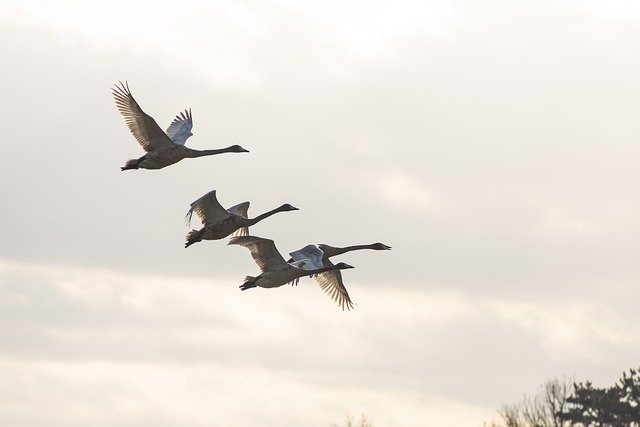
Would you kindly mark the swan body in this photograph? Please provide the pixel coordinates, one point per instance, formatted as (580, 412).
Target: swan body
(220, 222)
(317, 256)
(275, 270)
(163, 148)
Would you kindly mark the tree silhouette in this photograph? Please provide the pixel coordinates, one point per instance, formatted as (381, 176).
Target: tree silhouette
(616, 406)
(364, 421)
(538, 410)
(586, 406)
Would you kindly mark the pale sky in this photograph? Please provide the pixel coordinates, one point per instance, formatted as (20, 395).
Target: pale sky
(494, 145)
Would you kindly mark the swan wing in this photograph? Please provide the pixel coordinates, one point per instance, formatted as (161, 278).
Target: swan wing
(312, 254)
(263, 251)
(208, 210)
(241, 210)
(180, 128)
(302, 264)
(331, 283)
(242, 231)
(143, 127)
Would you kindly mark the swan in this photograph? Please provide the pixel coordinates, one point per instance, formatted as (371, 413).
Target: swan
(317, 256)
(275, 270)
(220, 222)
(163, 148)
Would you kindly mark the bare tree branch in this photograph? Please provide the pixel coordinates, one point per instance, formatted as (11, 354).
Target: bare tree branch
(541, 409)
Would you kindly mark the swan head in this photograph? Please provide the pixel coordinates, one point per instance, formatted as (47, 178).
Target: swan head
(237, 149)
(288, 207)
(343, 266)
(380, 247)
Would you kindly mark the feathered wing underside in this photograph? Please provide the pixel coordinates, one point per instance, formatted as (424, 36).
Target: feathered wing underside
(208, 210)
(331, 282)
(312, 253)
(263, 251)
(143, 127)
(301, 264)
(242, 231)
(241, 210)
(180, 128)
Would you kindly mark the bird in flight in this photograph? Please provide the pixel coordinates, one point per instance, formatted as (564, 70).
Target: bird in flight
(317, 256)
(219, 222)
(275, 270)
(162, 148)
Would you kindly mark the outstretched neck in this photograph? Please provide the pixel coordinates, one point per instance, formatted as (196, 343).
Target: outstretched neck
(338, 251)
(321, 270)
(191, 153)
(252, 221)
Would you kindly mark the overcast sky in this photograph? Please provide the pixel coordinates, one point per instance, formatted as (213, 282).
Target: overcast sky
(494, 145)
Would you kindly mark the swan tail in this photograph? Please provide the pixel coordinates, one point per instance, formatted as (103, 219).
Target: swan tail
(249, 282)
(132, 164)
(194, 236)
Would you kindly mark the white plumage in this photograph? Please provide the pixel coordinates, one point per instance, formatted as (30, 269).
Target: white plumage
(180, 128)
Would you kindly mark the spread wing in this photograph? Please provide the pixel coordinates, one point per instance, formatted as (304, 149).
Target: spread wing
(143, 127)
(208, 209)
(331, 282)
(312, 253)
(302, 264)
(180, 128)
(242, 210)
(263, 251)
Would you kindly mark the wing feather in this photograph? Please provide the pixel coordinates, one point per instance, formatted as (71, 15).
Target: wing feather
(241, 210)
(242, 231)
(263, 251)
(208, 210)
(180, 128)
(143, 127)
(312, 253)
(331, 283)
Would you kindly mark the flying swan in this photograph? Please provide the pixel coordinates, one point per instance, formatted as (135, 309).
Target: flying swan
(275, 270)
(317, 256)
(163, 148)
(220, 222)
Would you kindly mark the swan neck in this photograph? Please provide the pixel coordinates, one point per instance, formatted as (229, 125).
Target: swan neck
(264, 215)
(201, 153)
(322, 270)
(339, 251)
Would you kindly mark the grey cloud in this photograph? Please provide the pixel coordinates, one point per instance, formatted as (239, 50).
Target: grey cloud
(454, 357)
(496, 138)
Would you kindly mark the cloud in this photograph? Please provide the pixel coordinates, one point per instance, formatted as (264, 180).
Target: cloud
(570, 331)
(500, 169)
(402, 192)
(105, 394)
(153, 343)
